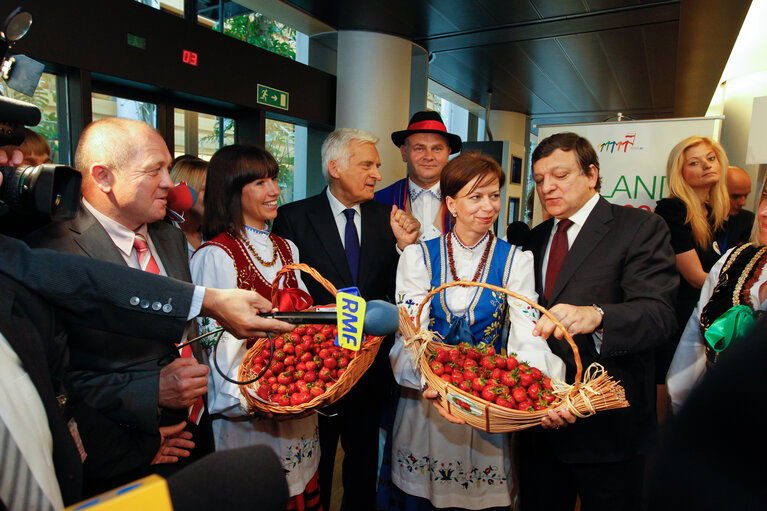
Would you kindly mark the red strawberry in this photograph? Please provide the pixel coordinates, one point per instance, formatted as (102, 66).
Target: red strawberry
(469, 374)
(488, 394)
(442, 356)
(526, 379)
(519, 394)
(537, 374)
(508, 379)
(478, 384)
(438, 368)
(547, 384)
(534, 391)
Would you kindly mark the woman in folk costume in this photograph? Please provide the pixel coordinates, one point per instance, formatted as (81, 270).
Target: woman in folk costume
(435, 463)
(240, 198)
(736, 285)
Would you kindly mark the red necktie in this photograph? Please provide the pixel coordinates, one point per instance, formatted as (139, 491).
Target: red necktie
(557, 254)
(195, 411)
(145, 258)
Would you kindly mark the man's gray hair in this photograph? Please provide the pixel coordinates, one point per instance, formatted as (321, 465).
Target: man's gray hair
(336, 146)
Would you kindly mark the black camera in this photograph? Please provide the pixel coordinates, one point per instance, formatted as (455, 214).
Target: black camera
(50, 192)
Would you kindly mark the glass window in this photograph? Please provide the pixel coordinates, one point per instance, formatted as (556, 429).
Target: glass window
(45, 98)
(281, 142)
(249, 26)
(113, 106)
(200, 134)
(172, 6)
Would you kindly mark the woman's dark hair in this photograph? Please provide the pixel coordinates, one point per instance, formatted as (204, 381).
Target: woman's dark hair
(229, 170)
(467, 166)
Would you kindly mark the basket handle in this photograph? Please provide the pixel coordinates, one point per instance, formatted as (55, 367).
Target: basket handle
(306, 269)
(543, 310)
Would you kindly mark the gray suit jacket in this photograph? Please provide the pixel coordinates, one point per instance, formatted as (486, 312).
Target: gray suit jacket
(98, 360)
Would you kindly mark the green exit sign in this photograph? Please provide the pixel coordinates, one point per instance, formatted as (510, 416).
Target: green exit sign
(272, 97)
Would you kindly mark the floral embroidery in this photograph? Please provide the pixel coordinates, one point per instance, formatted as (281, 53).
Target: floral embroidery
(493, 329)
(451, 472)
(302, 450)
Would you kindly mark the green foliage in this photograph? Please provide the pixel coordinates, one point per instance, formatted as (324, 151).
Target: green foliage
(280, 141)
(258, 30)
(45, 100)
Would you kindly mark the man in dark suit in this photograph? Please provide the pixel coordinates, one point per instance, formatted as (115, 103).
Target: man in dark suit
(324, 228)
(608, 274)
(124, 165)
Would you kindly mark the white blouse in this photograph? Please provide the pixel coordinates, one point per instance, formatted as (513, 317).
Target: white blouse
(296, 442)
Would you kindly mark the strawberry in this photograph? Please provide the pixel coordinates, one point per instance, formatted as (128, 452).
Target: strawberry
(537, 374)
(519, 394)
(508, 379)
(469, 374)
(488, 394)
(442, 356)
(478, 384)
(547, 384)
(438, 368)
(526, 379)
(534, 391)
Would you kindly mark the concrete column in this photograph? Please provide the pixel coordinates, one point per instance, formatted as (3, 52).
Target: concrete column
(373, 91)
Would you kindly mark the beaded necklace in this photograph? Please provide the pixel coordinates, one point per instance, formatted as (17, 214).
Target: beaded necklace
(253, 252)
(481, 262)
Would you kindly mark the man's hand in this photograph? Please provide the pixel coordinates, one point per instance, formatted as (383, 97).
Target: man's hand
(433, 395)
(576, 319)
(558, 418)
(404, 226)
(182, 382)
(16, 159)
(175, 443)
(237, 311)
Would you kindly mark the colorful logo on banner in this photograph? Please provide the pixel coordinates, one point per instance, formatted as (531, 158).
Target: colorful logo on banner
(351, 318)
(613, 146)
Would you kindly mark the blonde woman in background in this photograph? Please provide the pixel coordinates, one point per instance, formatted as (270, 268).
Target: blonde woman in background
(696, 209)
(193, 171)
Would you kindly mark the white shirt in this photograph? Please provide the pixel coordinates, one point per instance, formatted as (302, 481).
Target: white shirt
(24, 416)
(424, 206)
(578, 218)
(340, 217)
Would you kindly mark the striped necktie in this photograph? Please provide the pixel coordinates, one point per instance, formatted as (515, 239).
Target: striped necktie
(145, 257)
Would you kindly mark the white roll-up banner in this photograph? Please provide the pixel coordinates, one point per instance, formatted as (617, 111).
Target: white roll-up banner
(633, 154)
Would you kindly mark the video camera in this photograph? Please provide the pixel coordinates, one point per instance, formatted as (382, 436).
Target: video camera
(47, 191)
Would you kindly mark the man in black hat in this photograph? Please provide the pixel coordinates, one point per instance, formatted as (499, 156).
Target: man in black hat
(425, 146)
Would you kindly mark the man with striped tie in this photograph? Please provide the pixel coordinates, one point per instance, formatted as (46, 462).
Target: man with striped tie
(124, 164)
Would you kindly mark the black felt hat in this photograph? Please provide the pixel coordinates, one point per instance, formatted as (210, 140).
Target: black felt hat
(427, 122)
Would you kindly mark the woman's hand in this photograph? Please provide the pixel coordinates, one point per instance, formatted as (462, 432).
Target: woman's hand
(433, 396)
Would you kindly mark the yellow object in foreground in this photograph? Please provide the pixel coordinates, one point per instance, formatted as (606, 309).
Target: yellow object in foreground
(351, 319)
(148, 493)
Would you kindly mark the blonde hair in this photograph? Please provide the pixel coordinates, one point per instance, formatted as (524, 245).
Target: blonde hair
(33, 143)
(190, 169)
(755, 238)
(718, 198)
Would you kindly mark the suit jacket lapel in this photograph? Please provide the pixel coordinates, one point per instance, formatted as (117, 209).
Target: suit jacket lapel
(321, 218)
(92, 239)
(589, 236)
(162, 236)
(537, 244)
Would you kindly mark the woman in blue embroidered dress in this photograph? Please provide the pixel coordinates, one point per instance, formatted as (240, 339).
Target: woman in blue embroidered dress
(241, 196)
(435, 463)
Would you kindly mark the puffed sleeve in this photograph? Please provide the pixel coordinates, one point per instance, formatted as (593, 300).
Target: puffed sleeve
(413, 284)
(211, 266)
(296, 258)
(689, 363)
(674, 213)
(523, 317)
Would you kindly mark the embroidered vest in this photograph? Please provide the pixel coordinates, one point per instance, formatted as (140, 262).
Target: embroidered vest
(486, 312)
(739, 273)
(248, 275)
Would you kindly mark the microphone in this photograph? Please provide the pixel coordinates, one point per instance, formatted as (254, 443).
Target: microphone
(381, 318)
(181, 198)
(240, 477)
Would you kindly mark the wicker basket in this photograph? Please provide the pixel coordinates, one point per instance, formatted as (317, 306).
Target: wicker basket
(592, 392)
(354, 371)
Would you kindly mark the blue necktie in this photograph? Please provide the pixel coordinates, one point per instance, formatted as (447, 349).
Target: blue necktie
(352, 244)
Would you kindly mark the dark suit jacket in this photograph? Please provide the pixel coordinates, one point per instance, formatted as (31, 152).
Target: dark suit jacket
(86, 292)
(622, 261)
(310, 225)
(128, 396)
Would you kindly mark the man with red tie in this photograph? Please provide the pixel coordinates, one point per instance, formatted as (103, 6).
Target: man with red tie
(608, 274)
(124, 164)
(426, 147)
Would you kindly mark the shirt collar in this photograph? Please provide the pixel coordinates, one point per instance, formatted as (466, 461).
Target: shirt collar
(121, 236)
(580, 216)
(337, 207)
(416, 191)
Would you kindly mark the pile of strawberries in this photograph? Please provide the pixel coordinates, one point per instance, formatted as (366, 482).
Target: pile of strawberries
(502, 380)
(305, 364)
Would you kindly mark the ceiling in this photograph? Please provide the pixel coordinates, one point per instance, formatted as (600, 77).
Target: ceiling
(561, 61)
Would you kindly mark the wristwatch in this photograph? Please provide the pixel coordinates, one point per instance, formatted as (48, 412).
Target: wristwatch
(599, 328)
